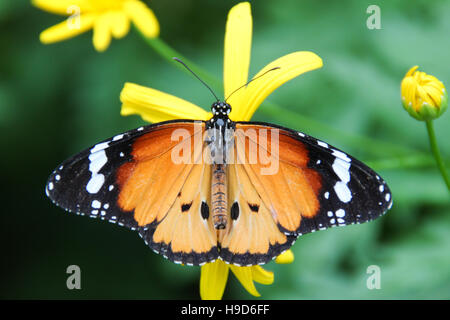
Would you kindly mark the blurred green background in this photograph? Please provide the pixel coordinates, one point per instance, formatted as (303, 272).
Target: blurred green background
(56, 100)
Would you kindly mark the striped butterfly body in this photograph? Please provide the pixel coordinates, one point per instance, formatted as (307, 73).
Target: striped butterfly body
(197, 191)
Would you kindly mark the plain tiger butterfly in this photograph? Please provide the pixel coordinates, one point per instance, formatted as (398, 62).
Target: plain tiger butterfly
(197, 191)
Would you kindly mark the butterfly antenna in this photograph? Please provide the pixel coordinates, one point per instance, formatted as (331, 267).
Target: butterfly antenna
(178, 60)
(251, 81)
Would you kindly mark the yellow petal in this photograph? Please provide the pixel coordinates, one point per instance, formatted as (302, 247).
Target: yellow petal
(245, 277)
(102, 32)
(213, 278)
(411, 71)
(67, 29)
(120, 24)
(434, 94)
(408, 89)
(63, 7)
(291, 65)
(238, 40)
(261, 275)
(156, 106)
(285, 257)
(143, 17)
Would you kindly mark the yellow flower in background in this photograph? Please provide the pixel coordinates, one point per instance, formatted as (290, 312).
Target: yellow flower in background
(155, 106)
(107, 18)
(423, 96)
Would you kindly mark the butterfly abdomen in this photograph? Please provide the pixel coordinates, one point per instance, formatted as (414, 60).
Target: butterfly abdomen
(219, 196)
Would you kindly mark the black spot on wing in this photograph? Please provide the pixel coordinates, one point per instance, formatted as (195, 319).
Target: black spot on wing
(234, 212)
(186, 206)
(253, 207)
(204, 210)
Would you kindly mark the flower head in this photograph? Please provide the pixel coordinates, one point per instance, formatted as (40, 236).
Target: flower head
(154, 106)
(108, 18)
(423, 96)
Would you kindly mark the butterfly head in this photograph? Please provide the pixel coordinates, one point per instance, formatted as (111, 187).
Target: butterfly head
(220, 109)
(220, 119)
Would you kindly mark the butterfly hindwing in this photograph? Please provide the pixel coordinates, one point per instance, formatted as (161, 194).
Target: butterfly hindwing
(252, 235)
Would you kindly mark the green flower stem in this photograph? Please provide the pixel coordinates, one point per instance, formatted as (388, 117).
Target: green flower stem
(436, 152)
(372, 146)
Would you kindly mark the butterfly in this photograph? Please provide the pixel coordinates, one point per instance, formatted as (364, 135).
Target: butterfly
(197, 191)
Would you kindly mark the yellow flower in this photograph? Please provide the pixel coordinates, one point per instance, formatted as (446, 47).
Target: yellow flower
(214, 276)
(155, 106)
(423, 96)
(108, 18)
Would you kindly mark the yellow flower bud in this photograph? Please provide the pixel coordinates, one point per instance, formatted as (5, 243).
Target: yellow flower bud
(423, 96)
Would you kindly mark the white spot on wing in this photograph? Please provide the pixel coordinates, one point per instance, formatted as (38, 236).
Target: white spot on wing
(100, 146)
(322, 144)
(95, 183)
(341, 155)
(97, 160)
(96, 204)
(118, 137)
(342, 170)
(342, 191)
(340, 213)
